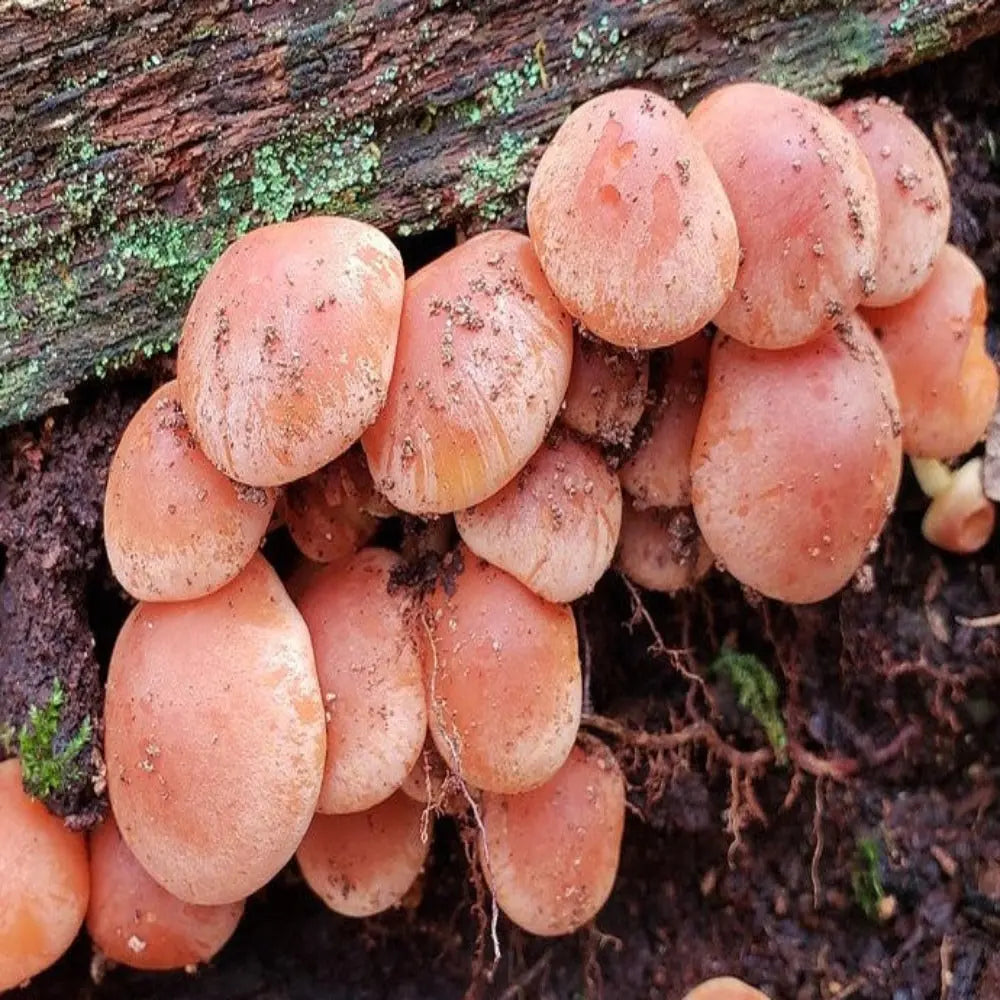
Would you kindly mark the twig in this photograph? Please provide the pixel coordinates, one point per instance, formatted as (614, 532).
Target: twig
(987, 621)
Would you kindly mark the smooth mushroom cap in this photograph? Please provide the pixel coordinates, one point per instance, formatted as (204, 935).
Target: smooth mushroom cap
(724, 988)
(44, 883)
(661, 548)
(607, 390)
(935, 343)
(797, 461)
(555, 526)
(503, 677)
(335, 511)
(630, 223)
(135, 922)
(913, 195)
(551, 855)
(287, 349)
(360, 864)
(806, 206)
(175, 527)
(658, 474)
(368, 658)
(215, 737)
(481, 370)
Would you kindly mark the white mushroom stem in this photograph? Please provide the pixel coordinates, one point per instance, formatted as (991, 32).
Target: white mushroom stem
(960, 517)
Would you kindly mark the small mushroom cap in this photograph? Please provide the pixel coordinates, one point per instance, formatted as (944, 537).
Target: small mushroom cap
(370, 669)
(335, 511)
(135, 922)
(658, 474)
(724, 988)
(175, 527)
(360, 864)
(661, 548)
(44, 883)
(288, 346)
(215, 737)
(806, 207)
(913, 195)
(551, 855)
(961, 518)
(630, 223)
(935, 343)
(504, 680)
(797, 461)
(555, 526)
(481, 370)
(607, 391)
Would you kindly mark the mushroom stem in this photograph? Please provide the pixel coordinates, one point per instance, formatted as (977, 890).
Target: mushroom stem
(933, 475)
(960, 517)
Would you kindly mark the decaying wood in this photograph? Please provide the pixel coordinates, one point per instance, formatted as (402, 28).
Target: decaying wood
(138, 136)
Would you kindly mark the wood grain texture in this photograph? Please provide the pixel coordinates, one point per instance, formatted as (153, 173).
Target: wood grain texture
(137, 137)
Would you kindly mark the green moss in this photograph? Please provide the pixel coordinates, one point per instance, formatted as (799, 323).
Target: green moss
(757, 692)
(489, 180)
(857, 40)
(49, 760)
(866, 876)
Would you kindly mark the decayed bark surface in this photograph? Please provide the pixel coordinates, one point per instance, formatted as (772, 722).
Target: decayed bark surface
(138, 136)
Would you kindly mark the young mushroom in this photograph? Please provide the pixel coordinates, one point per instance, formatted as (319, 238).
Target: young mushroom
(724, 988)
(960, 518)
(797, 461)
(658, 474)
(44, 883)
(288, 346)
(133, 921)
(630, 223)
(175, 527)
(555, 526)
(371, 676)
(914, 200)
(362, 863)
(662, 549)
(503, 677)
(215, 737)
(806, 207)
(935, 343)
(607, 390)
(551, 855)
(335, 511)
(481, 370)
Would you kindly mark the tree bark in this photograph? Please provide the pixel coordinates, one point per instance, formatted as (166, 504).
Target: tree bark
(138, 137)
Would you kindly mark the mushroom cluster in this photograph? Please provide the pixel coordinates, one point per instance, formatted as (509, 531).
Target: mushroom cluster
(713, 347)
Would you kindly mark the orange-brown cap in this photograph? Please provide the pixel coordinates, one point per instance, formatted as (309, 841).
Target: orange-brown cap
(288, 346)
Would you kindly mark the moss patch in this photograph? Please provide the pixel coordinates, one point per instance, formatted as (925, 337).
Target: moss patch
(757, 692)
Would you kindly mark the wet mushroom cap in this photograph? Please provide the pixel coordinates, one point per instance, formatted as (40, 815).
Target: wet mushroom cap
(658, 473)
(914, 200)
(288, 346)
(370, 669)
(797, 461)
(806, 207)
(360, 864)
(607, 391)
(504, 680)
(551, 854)
(135, 922)
(630, 223)
(215, 737)
(724, 988)
(661, 548)
(175, 527)
(555, 526)
(935, 343)
(44, 883)
(481, 370)
(335, 511)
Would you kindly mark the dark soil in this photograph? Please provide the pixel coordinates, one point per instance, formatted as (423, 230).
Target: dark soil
(732, 862)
